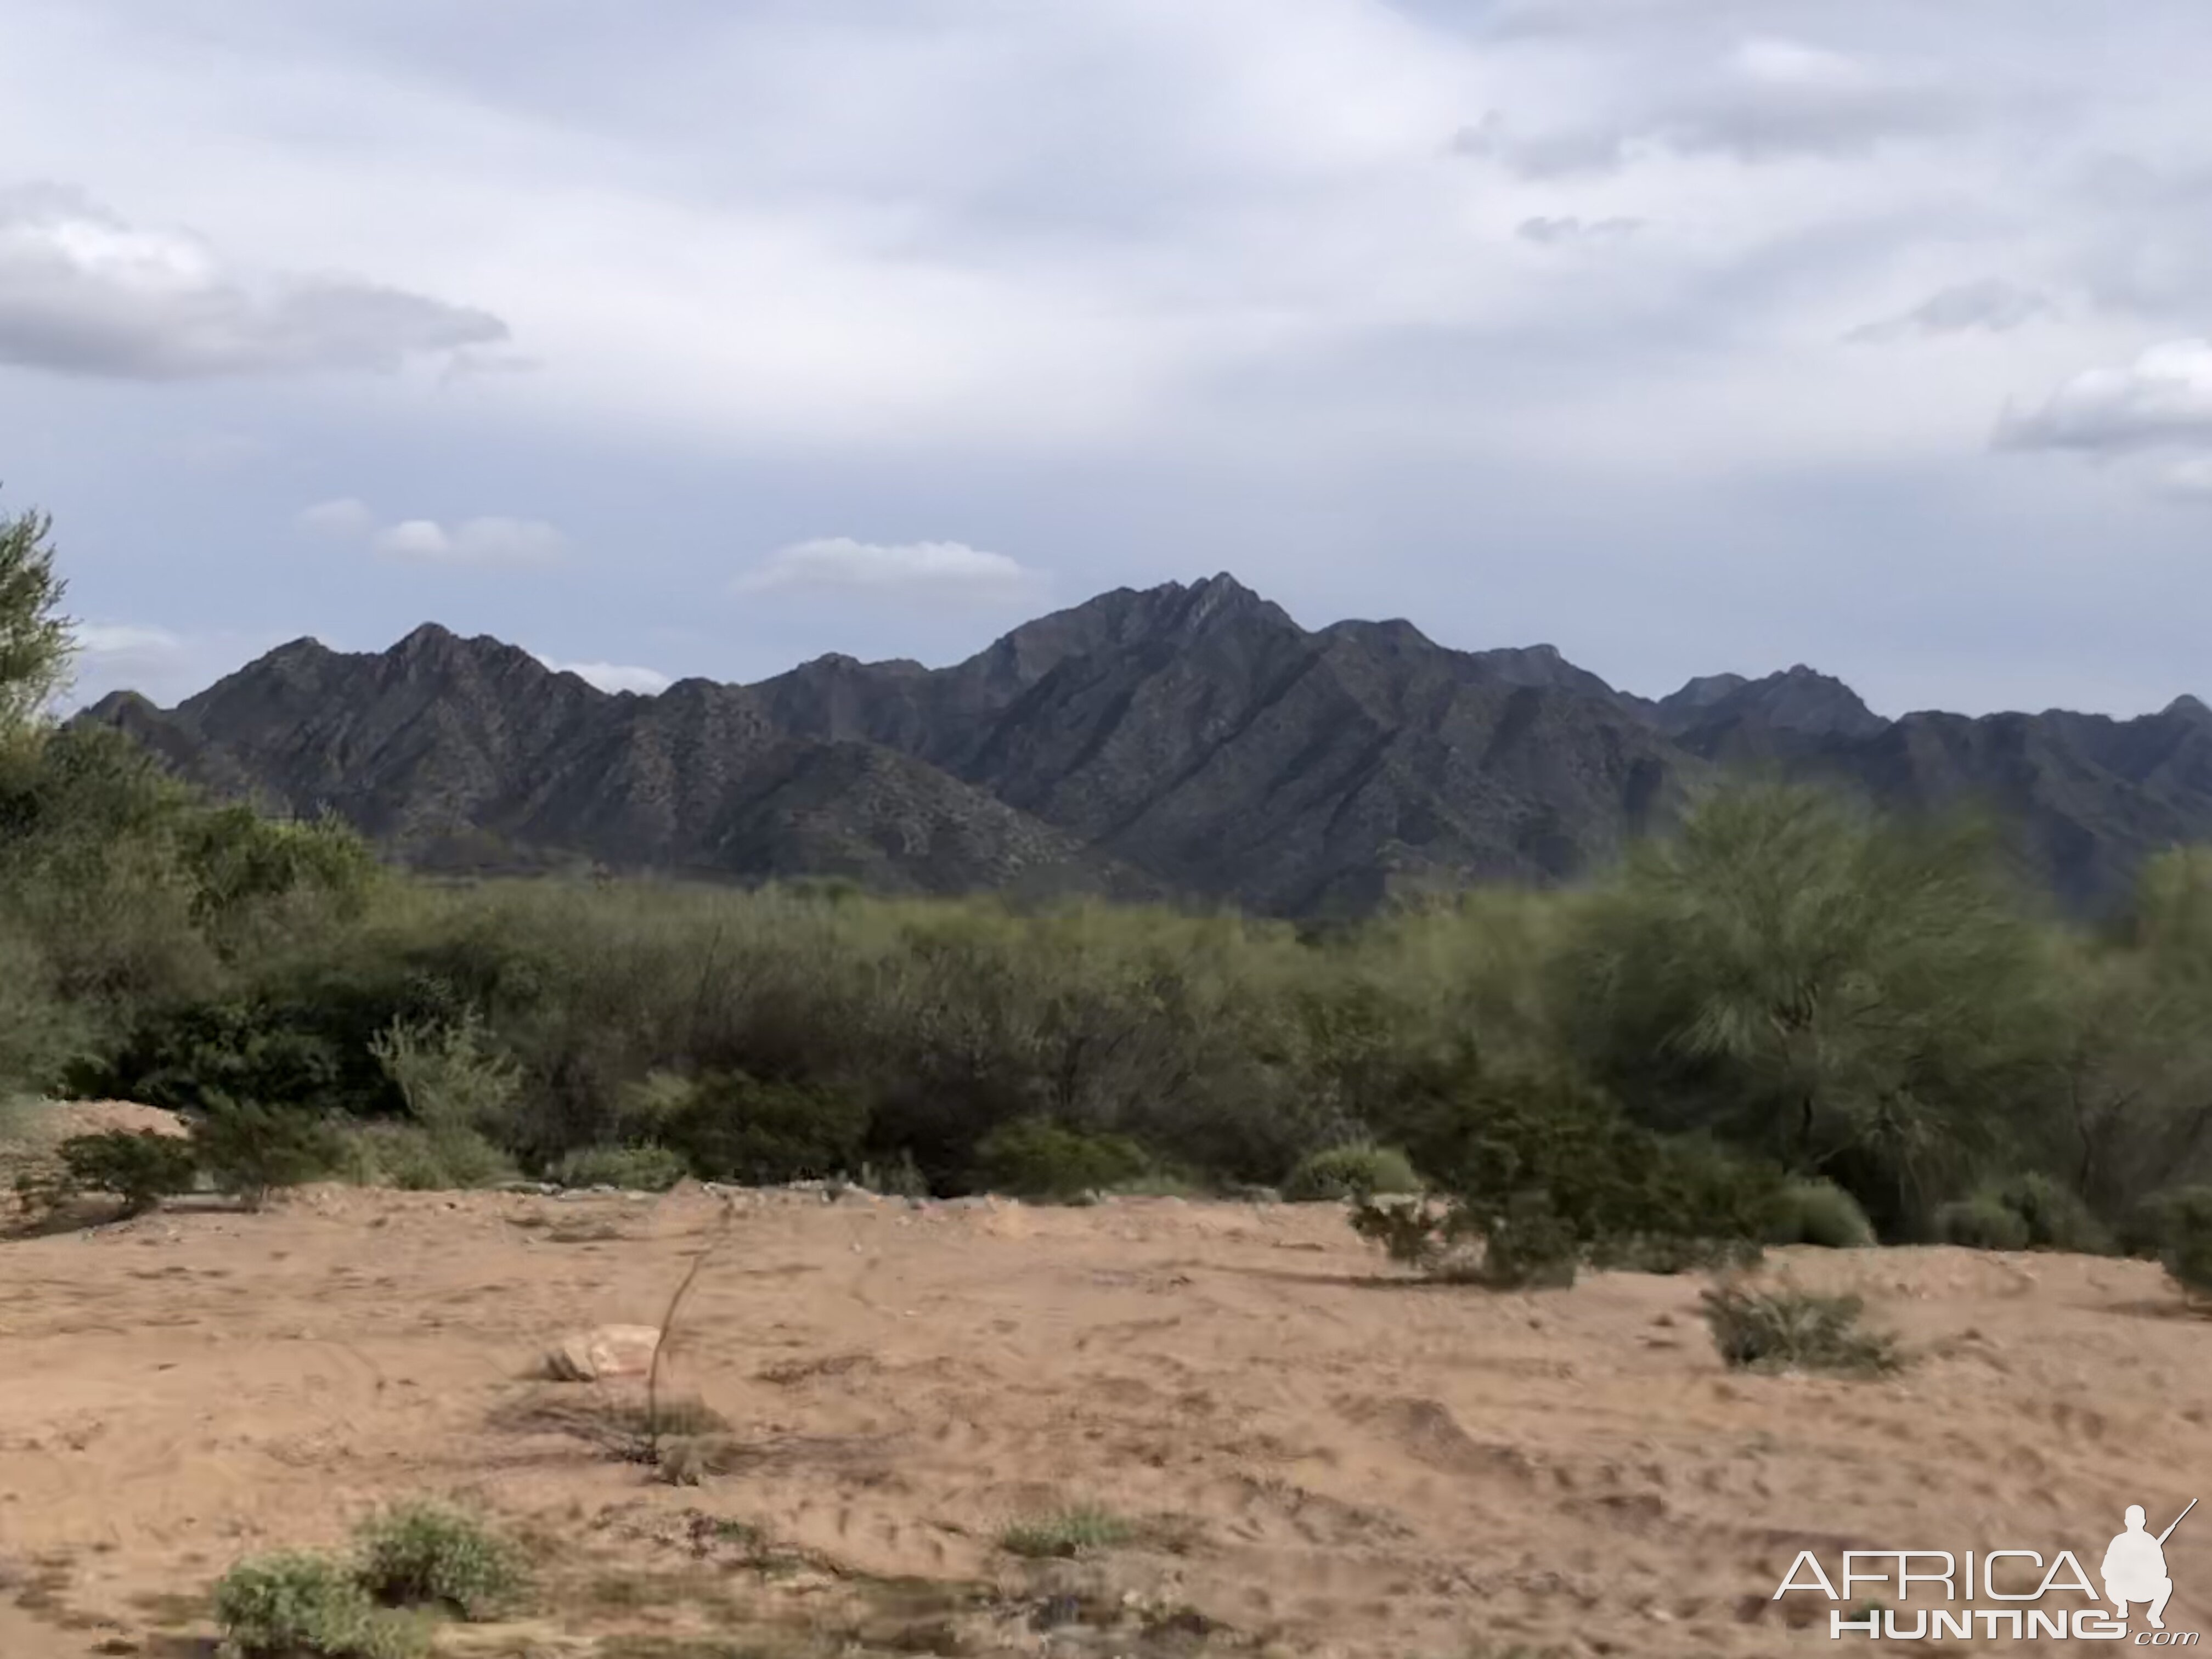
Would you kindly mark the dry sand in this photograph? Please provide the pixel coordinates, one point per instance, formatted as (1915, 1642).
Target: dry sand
(1323, 1458)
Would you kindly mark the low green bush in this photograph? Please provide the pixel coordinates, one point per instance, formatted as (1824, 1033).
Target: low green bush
(1790, 1329)
(1984, 1222)
(1359, 1170)
(1036, 1157)
(633, 1169)
(2028, 1212)
(1814, 1211)
(140, 1167)
(295, 1606)
(252, 1149)
(2185, 1239)
(424, 1555)
(731, 1125)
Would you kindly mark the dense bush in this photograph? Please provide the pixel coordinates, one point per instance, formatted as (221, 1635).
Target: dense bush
(425, 1555)
(140, 1167)
(2184, 1228)
(1036, 1157)
(726, 1125)
(1811, 1211)
(297, 1605)
(2030, 1211)
(1359, 1170)
(251, 1149)
(634, 1168)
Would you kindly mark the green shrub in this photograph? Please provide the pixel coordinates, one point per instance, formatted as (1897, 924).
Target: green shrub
(1984, 1222)
(423, 1555)
(2185, 1238)
(1359, 1170)
(2057, 1217)
(307, 1606)
(729, 1126)
(1075, 1531)
(251, 1149)
(455, 1082)
(1036, 1157)
(633, 1169)
(411, 1158)
(2022, 1213)
(1521, 1243)
(1813, 1211)
(140, 1167)
(1792, 1329)
(2149, 1227)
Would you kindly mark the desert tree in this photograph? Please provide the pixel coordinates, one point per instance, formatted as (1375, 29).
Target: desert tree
(36, 642)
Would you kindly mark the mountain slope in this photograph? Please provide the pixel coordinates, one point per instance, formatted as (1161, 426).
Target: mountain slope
(1188, 741)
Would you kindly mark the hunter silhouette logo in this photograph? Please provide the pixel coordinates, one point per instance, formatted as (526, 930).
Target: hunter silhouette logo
(2135, 1566)
(1919, 1595)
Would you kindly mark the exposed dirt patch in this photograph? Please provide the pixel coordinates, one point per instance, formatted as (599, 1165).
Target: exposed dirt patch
(1310, 1457)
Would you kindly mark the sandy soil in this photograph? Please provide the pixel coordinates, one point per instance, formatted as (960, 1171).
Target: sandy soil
(1320, 1457)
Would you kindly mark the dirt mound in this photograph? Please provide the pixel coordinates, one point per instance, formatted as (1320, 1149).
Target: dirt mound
(1296, 1447)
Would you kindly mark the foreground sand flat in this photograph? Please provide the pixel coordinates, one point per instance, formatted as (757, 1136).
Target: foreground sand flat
(1323, 1457)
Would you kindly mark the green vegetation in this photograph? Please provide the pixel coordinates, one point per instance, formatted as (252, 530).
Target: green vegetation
(140, 1168)
(1077, 1530)
(1816, 1212)
(1793, 1019)
(633, 1169)
(295, 1606)
(411, 1563)
(1359, 1170)
(1790, 1329)
(424, 1555)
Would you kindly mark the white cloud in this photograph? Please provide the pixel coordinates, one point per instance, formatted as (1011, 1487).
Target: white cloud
(918, 569)
(489, 541)
(2162, 400)
(122, 644)
(614, 676)
(82, 292)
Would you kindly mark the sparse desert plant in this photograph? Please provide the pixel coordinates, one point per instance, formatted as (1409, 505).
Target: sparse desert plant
(1667, 1254)
(646, 1169)
(1360, 1169)
(296, 1605)
(1787, 1328)
(1815, 1212)
(426, 1555)
(1076, 1530)
(251, 1149)
(140, 1167)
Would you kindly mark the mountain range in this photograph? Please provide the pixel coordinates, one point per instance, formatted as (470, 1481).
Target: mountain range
(1188, 742)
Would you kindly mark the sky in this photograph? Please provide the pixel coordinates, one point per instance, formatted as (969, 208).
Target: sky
(706, 337)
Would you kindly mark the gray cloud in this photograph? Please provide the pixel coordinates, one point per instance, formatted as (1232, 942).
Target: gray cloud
(83, 293)
(1548, 232)
(1769, 100)
(1991, 304)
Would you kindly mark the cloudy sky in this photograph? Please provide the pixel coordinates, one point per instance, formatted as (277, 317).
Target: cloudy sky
(706, 336)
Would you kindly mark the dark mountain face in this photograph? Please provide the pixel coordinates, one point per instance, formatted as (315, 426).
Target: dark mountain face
(1188, 742)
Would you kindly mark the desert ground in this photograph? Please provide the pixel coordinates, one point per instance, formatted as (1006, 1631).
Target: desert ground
(1316, 1455)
